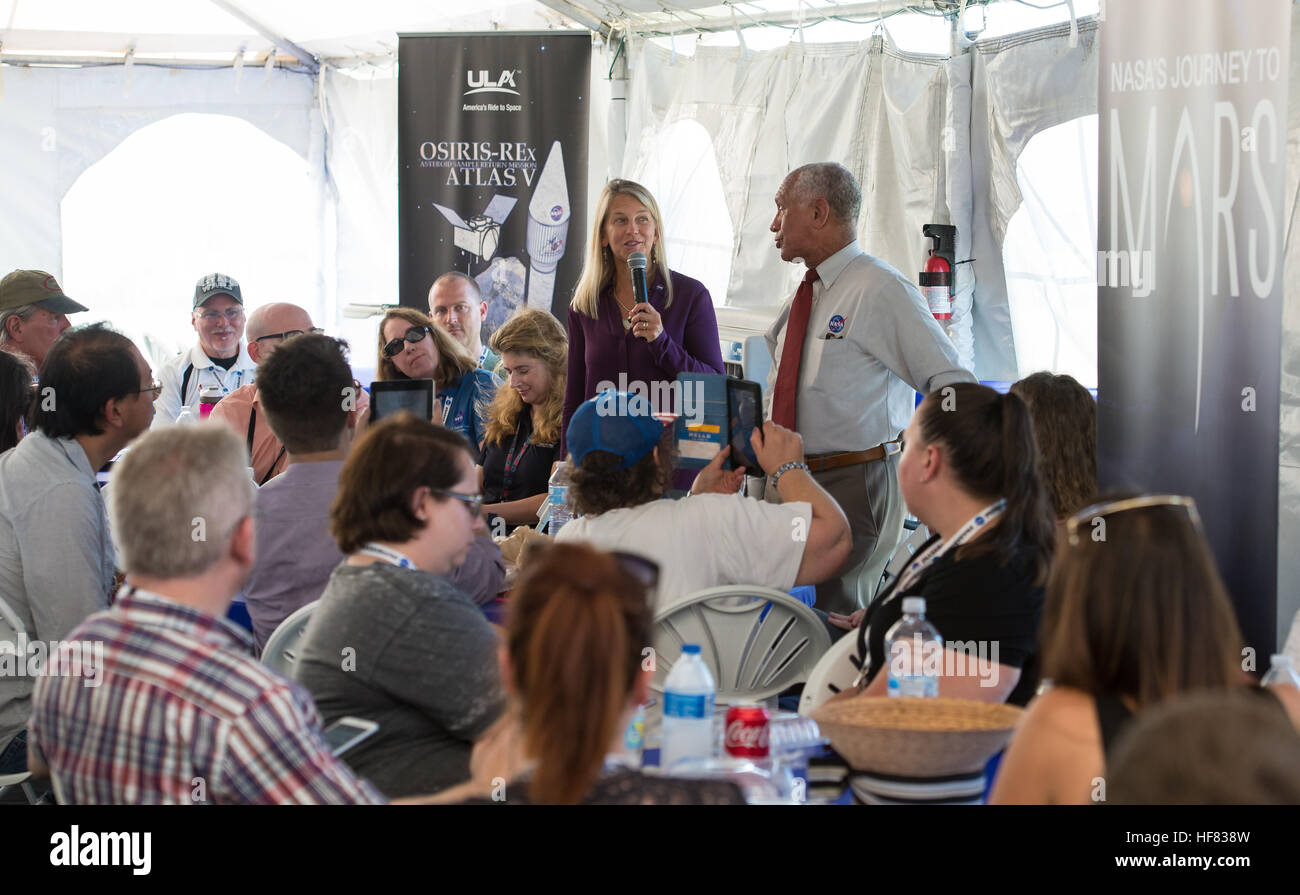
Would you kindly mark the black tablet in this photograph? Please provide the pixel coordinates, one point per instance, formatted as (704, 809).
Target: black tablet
(390, 396)
(744, 413)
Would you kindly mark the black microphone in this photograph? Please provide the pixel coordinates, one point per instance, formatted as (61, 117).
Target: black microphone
(636, 263)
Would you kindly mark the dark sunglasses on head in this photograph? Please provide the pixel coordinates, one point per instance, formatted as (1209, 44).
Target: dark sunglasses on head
(289, 334)
(414, 334)
(643, 570)
(1111, 507)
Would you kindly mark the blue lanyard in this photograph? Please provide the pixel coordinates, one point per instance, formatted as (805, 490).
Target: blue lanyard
(387, 554)
(930, 556)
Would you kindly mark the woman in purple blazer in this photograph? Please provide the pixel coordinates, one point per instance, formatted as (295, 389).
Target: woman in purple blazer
(610, 334)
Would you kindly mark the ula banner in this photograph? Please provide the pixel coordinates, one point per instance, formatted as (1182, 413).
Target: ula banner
(492, 180)
(1192, 100)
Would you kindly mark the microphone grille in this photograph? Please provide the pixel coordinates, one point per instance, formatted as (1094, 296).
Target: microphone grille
(637, 261)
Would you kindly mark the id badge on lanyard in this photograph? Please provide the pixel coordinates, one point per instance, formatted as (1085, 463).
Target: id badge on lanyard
(447, 401)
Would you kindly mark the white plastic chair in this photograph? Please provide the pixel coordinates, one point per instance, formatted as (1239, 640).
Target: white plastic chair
(756, 641)
(281, 652)
(836, 671)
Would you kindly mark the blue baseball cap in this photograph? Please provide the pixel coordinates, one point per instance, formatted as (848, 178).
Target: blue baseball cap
(618, 422)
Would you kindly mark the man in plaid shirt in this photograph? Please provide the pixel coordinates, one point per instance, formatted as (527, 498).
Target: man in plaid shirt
(181, 712)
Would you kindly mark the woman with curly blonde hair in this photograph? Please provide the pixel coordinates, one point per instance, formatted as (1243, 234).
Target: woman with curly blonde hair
(523, 422)
(412, 346)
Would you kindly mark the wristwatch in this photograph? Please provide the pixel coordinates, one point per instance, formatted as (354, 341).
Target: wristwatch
(786, 467)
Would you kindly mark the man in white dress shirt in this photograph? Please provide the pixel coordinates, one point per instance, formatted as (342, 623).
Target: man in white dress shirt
(220, 358)
(868, 341)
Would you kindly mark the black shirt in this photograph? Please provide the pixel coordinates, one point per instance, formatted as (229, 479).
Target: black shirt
(516, 467)
(973, 599)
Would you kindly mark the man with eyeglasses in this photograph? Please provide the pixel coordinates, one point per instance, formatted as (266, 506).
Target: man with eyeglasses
(219, 359)
(268, 328)
(56, 557)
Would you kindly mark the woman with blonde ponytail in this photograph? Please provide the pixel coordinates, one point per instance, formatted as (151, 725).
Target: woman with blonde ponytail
(574, 664)
(969, 471)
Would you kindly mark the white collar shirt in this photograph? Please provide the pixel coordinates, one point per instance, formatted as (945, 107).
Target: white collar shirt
(871, 343)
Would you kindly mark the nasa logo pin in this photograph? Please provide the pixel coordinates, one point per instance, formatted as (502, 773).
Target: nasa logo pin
(837, 324)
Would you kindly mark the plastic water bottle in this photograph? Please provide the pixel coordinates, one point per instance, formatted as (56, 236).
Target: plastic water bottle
(913, 653)
(559, 508)
(1281, 670)
(186, 417)
(688, 710)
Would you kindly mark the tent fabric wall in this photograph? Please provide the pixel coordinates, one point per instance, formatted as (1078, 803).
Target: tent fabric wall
(1288, 525)
(60, 121)
(866, 105)
(1022, 86)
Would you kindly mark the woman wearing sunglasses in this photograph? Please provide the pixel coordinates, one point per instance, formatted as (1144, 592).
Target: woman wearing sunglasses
(392, 640)
(573, 662)
(412, 346)
(969, 471)
(1136, 614)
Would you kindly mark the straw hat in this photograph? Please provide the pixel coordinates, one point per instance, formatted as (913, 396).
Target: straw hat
(916, 737)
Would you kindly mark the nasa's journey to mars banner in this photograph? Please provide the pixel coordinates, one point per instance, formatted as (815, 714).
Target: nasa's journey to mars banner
(1192, 100)
(492, 166)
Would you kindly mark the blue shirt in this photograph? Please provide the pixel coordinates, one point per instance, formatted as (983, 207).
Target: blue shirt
(462, 404)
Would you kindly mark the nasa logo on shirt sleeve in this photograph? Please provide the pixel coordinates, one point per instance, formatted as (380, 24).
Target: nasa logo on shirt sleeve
(836, 325)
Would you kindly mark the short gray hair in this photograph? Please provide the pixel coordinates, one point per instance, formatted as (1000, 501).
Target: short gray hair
(833, 182)
(177, 497)
(24, 313)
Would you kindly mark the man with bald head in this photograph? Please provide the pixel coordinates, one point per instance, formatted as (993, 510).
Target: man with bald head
(457, 305)
(268, 328)
(848, 350)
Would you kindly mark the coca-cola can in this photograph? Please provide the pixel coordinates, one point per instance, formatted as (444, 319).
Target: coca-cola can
(747, 729)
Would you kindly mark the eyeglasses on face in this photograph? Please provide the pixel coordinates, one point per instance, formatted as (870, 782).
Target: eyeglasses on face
(231, 315)
(1111, 507)
(289, 334)
(414, 334)
(155, 387)
(474, 502)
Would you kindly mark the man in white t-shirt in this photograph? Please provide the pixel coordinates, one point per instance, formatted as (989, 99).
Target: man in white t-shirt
(622, 459)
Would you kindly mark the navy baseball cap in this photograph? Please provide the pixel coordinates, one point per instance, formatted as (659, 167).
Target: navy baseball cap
(618, 422)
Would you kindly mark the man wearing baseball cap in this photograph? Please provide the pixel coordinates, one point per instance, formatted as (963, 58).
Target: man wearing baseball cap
(623, 458)
(220, 359)
(33, 313)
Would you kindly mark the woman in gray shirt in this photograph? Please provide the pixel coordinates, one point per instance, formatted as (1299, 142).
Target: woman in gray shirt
(391, 640)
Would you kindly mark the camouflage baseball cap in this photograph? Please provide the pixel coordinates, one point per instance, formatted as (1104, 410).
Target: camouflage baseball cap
(36, 287)
(216, 284)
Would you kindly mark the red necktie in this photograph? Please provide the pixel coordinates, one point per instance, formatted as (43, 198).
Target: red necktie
(786, 390)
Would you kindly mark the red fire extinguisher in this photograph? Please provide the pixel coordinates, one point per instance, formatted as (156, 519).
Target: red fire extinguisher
(936, 283)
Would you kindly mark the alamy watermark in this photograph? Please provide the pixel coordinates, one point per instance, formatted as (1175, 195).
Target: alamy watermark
(684, 399)
(949, 659)
(21, 657)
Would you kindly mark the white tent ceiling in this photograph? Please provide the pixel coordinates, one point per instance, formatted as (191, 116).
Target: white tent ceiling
(306, 33)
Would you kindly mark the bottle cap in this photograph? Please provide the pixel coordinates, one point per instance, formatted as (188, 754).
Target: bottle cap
(914, 605)
(691, 649)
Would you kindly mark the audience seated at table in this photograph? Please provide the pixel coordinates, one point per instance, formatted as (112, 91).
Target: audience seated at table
(56, 555)
(392, 640)
(969, 471)
(170, 707)
(523, 422)
(303, 389)
(574, 666)
(1136, 614)
(623, 460)
(412, 346)
(1065, 428)
(17, 377)
(1222, 747)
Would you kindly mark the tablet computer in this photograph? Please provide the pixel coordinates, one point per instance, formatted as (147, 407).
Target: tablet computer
(744, 414)
(390, 396)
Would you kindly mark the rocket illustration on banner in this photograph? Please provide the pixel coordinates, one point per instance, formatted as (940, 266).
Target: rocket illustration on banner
(548, 229)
